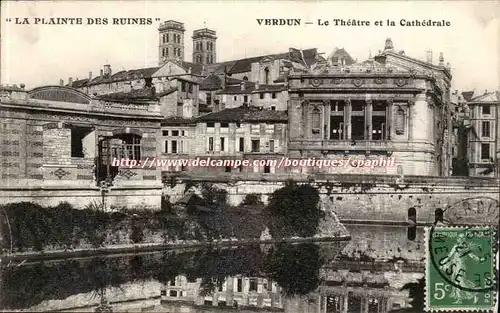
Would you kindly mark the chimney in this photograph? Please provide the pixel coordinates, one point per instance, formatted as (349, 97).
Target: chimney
(90, 76)
(101, 73)
(441, 59)
(242, 84)
(70, 81)
(61, 82)
(107, 70)
(429, 56)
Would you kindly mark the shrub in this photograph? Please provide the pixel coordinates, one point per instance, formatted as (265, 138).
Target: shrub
(293, 211)
(252, 199)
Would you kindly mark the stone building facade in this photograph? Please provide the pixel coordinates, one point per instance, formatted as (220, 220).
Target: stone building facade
(391, 105)
(58, 144)
(483, 134)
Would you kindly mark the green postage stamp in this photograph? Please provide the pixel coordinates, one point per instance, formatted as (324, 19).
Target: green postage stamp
(460, 270)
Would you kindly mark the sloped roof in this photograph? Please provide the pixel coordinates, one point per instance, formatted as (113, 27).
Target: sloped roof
(492, 96)
(177, 120)
(196, 69)
(245, 65)
(467, 95)
(79, 83)
(342, 55)
(135, 94)
(211, 82)
(245, 114)
(166, 92)
(250, 87)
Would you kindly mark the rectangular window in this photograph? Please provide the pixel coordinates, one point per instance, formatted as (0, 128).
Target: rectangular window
(271, 146)
(235, 98)
(245, 99)
(255, 128)
(270, 128)
(175, 133)
(273, 95)
(486, 109)
(210, 143)
(174, 146)
(242, 145)
(485, 129)
(239, 285)
(209, 99)
(485, 151)
(222, 144)
(183, 86)
(267, 169)
(224, 127)
(253, 284)
(165, 133)
(166, 146)
(190, 88)
(183, 133)
(262, 95)
(273, 108)
(210, 127)
(255, 145)
(77, 136)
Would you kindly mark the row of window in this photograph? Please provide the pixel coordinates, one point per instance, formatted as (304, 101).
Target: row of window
(186, 86)
(175, 146)
(176, 38)
(199, 46)
(254, 128)
(165, 52)
(238, 287)
(255, 145)
(261, 96)
(199, 59)
(174, 133)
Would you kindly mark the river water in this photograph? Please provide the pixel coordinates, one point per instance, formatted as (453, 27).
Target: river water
(377, 271)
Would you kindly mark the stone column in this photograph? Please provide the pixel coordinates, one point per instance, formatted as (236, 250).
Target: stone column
(421, 121)
(368, 119)
(347, 119)
(389, 122)
(345, 305)
(230, 291)
(410, 119)
(327, 113)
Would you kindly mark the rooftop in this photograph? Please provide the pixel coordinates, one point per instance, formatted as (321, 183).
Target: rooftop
(246, 114)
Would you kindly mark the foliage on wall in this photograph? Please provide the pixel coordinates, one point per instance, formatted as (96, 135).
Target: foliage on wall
(294, 211)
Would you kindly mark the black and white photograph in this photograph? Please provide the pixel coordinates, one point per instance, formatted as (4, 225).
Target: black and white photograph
(249, 156)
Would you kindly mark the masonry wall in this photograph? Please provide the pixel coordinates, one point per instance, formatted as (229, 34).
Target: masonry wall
(369, 198)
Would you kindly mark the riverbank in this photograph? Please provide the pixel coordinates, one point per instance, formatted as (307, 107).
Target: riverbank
(152, 247)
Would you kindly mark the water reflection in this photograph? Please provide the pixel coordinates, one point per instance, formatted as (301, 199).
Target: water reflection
(298, 278)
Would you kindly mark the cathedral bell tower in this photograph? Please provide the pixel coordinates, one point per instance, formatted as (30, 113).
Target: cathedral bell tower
(204, 46)
(171, 42)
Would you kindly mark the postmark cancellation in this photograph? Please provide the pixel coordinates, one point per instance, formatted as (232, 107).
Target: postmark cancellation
(461, 272)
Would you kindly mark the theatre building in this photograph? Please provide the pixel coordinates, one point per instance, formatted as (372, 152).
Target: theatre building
(58, 144)
(389, 105)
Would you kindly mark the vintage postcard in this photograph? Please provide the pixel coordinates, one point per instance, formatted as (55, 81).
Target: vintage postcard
(253, 156)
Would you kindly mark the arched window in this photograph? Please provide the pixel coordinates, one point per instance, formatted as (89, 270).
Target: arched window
(245, 78)
(438, 215)
(266, 76)
(400, 122)
(412, 227)
(315, 121)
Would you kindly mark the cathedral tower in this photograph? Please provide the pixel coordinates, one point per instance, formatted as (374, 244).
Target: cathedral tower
(171, 46)
(204, 46)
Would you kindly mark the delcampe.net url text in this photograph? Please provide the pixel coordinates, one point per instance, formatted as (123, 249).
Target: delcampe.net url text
(237, 163)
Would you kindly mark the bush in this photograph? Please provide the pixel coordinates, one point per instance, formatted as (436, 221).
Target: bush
(252, 199)
(213, 195)
(293, 211)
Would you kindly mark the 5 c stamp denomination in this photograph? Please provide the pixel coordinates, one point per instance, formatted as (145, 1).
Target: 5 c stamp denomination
(460, 271)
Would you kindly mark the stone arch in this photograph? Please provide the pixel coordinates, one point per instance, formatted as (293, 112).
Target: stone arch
(60, 94)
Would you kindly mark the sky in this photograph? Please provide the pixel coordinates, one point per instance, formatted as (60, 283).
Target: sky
(43, 54)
